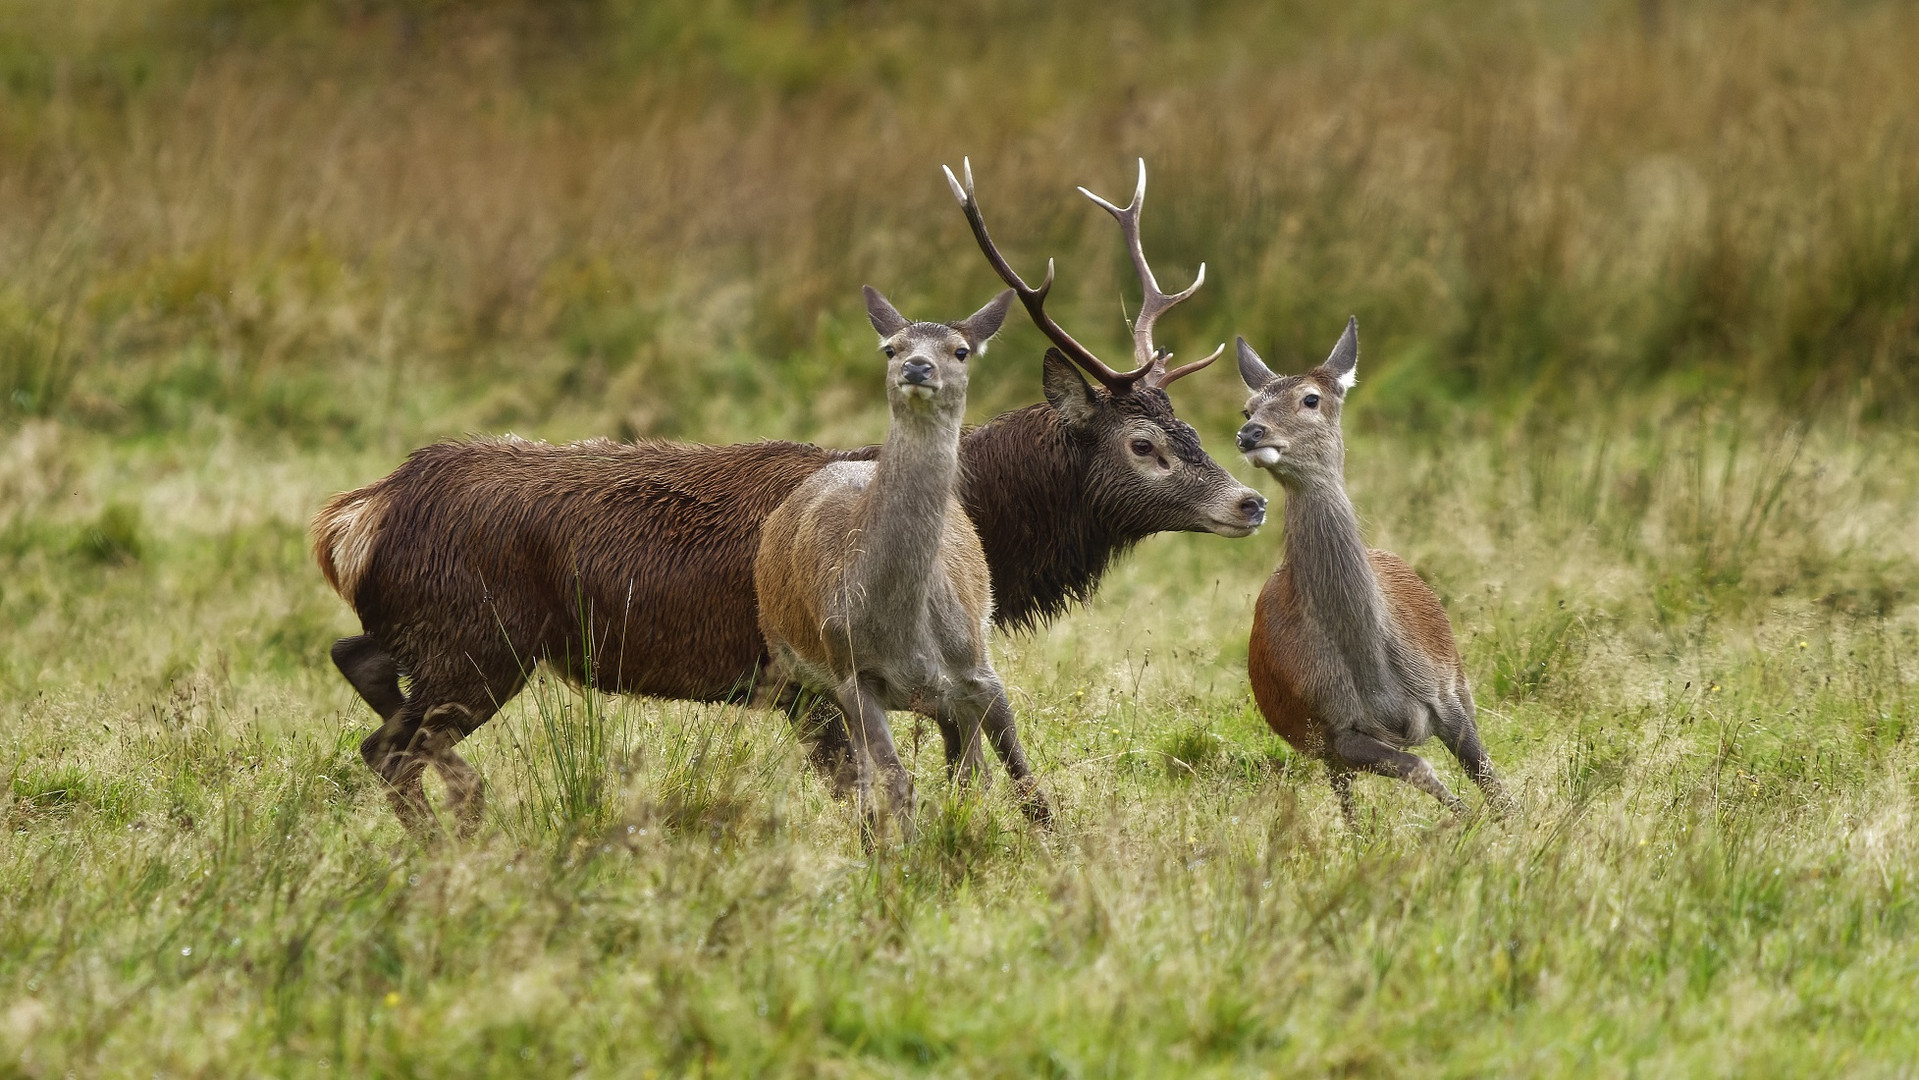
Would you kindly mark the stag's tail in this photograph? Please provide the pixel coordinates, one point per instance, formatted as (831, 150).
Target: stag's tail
(344, 532)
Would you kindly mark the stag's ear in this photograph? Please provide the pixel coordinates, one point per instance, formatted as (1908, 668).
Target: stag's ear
(1341, 369)
(1067, 391)
(984, 323)
(1252, 369)
(881, 314)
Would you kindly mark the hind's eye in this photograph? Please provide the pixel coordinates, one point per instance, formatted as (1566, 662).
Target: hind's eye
(1311, 401)
(890, 352)
(1247, 413)
(1142, 448)
(962, 352)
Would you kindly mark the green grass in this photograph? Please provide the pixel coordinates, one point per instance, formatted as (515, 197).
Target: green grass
(1640, 294)
(1712, 872)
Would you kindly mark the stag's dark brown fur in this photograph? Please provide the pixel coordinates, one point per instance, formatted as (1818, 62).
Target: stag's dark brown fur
(476, 560)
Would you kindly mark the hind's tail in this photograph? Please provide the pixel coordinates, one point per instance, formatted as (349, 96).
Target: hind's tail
(344, 532)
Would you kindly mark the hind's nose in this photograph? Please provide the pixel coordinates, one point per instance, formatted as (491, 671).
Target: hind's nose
(1254, 508)
(1249, 437)
(916, 372)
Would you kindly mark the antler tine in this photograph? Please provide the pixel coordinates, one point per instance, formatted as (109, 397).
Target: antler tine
(1034, 300)
(1184, 370)
(1155, 302)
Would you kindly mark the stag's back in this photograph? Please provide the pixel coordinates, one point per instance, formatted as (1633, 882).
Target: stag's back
(501, 550)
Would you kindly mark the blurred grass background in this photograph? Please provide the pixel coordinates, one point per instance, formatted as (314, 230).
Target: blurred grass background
(307, 218)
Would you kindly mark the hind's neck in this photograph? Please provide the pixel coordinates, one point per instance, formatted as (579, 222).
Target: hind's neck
(902, 514)
(1331, 573)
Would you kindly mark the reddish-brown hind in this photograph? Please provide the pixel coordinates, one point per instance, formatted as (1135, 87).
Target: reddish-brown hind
(1352, 659)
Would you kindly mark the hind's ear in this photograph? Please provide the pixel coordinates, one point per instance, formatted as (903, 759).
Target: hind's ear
(984, 323)
(881, 314)
(1252, 370)
(1067, 391)
(1342, 367)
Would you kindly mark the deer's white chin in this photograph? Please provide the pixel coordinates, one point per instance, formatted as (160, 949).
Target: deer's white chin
(917, 390)
(1263, 457)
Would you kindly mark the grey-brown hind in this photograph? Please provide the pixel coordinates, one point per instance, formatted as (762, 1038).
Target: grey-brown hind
(873, 586)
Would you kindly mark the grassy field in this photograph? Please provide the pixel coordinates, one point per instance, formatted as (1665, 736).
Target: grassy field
(1640, 294)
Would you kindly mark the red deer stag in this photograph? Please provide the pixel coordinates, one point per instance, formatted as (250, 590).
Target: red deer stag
(1352, 659)
(873, 586)
(476, 559)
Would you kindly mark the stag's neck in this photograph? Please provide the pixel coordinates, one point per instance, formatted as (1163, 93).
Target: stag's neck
(1024, 486)
(1332, 575)
(904, 511)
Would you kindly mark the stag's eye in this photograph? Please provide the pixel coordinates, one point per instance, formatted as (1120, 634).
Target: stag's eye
(1311, 401)
(1247, 413)
(889, 350)
(1142, 448)
(962, 352)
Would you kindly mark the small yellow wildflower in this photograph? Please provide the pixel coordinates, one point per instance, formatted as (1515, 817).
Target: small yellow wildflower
(392, 999)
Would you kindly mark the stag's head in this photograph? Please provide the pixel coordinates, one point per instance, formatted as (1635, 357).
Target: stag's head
(926, 362)
(1292, 421)
(1147, 471)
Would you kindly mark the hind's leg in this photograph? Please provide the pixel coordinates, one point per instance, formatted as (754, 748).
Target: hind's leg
(374, 673)
(1458, 732)
(878, 760)
(1367, 754)
(1341, 778)
(960, 717)
(999, 728)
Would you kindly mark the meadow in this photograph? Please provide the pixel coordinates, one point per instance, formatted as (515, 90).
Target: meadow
(1639, 294)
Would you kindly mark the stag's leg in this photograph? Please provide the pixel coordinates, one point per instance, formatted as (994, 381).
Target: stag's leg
(1460, 734)
(442, 710)
(1367, 754)
(374, 673)
(445, 726)
(818, 724)
(392, 754)
(876, 759)
(822, 729)
(1001, 732)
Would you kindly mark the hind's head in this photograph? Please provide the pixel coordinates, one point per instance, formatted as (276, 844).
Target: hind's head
(1292, 421)
(926, 362)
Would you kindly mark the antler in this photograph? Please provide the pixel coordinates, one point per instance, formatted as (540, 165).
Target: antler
(1151, 358)
(1116, 382)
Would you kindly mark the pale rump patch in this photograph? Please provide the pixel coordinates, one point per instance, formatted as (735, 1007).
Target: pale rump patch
(343, 534)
